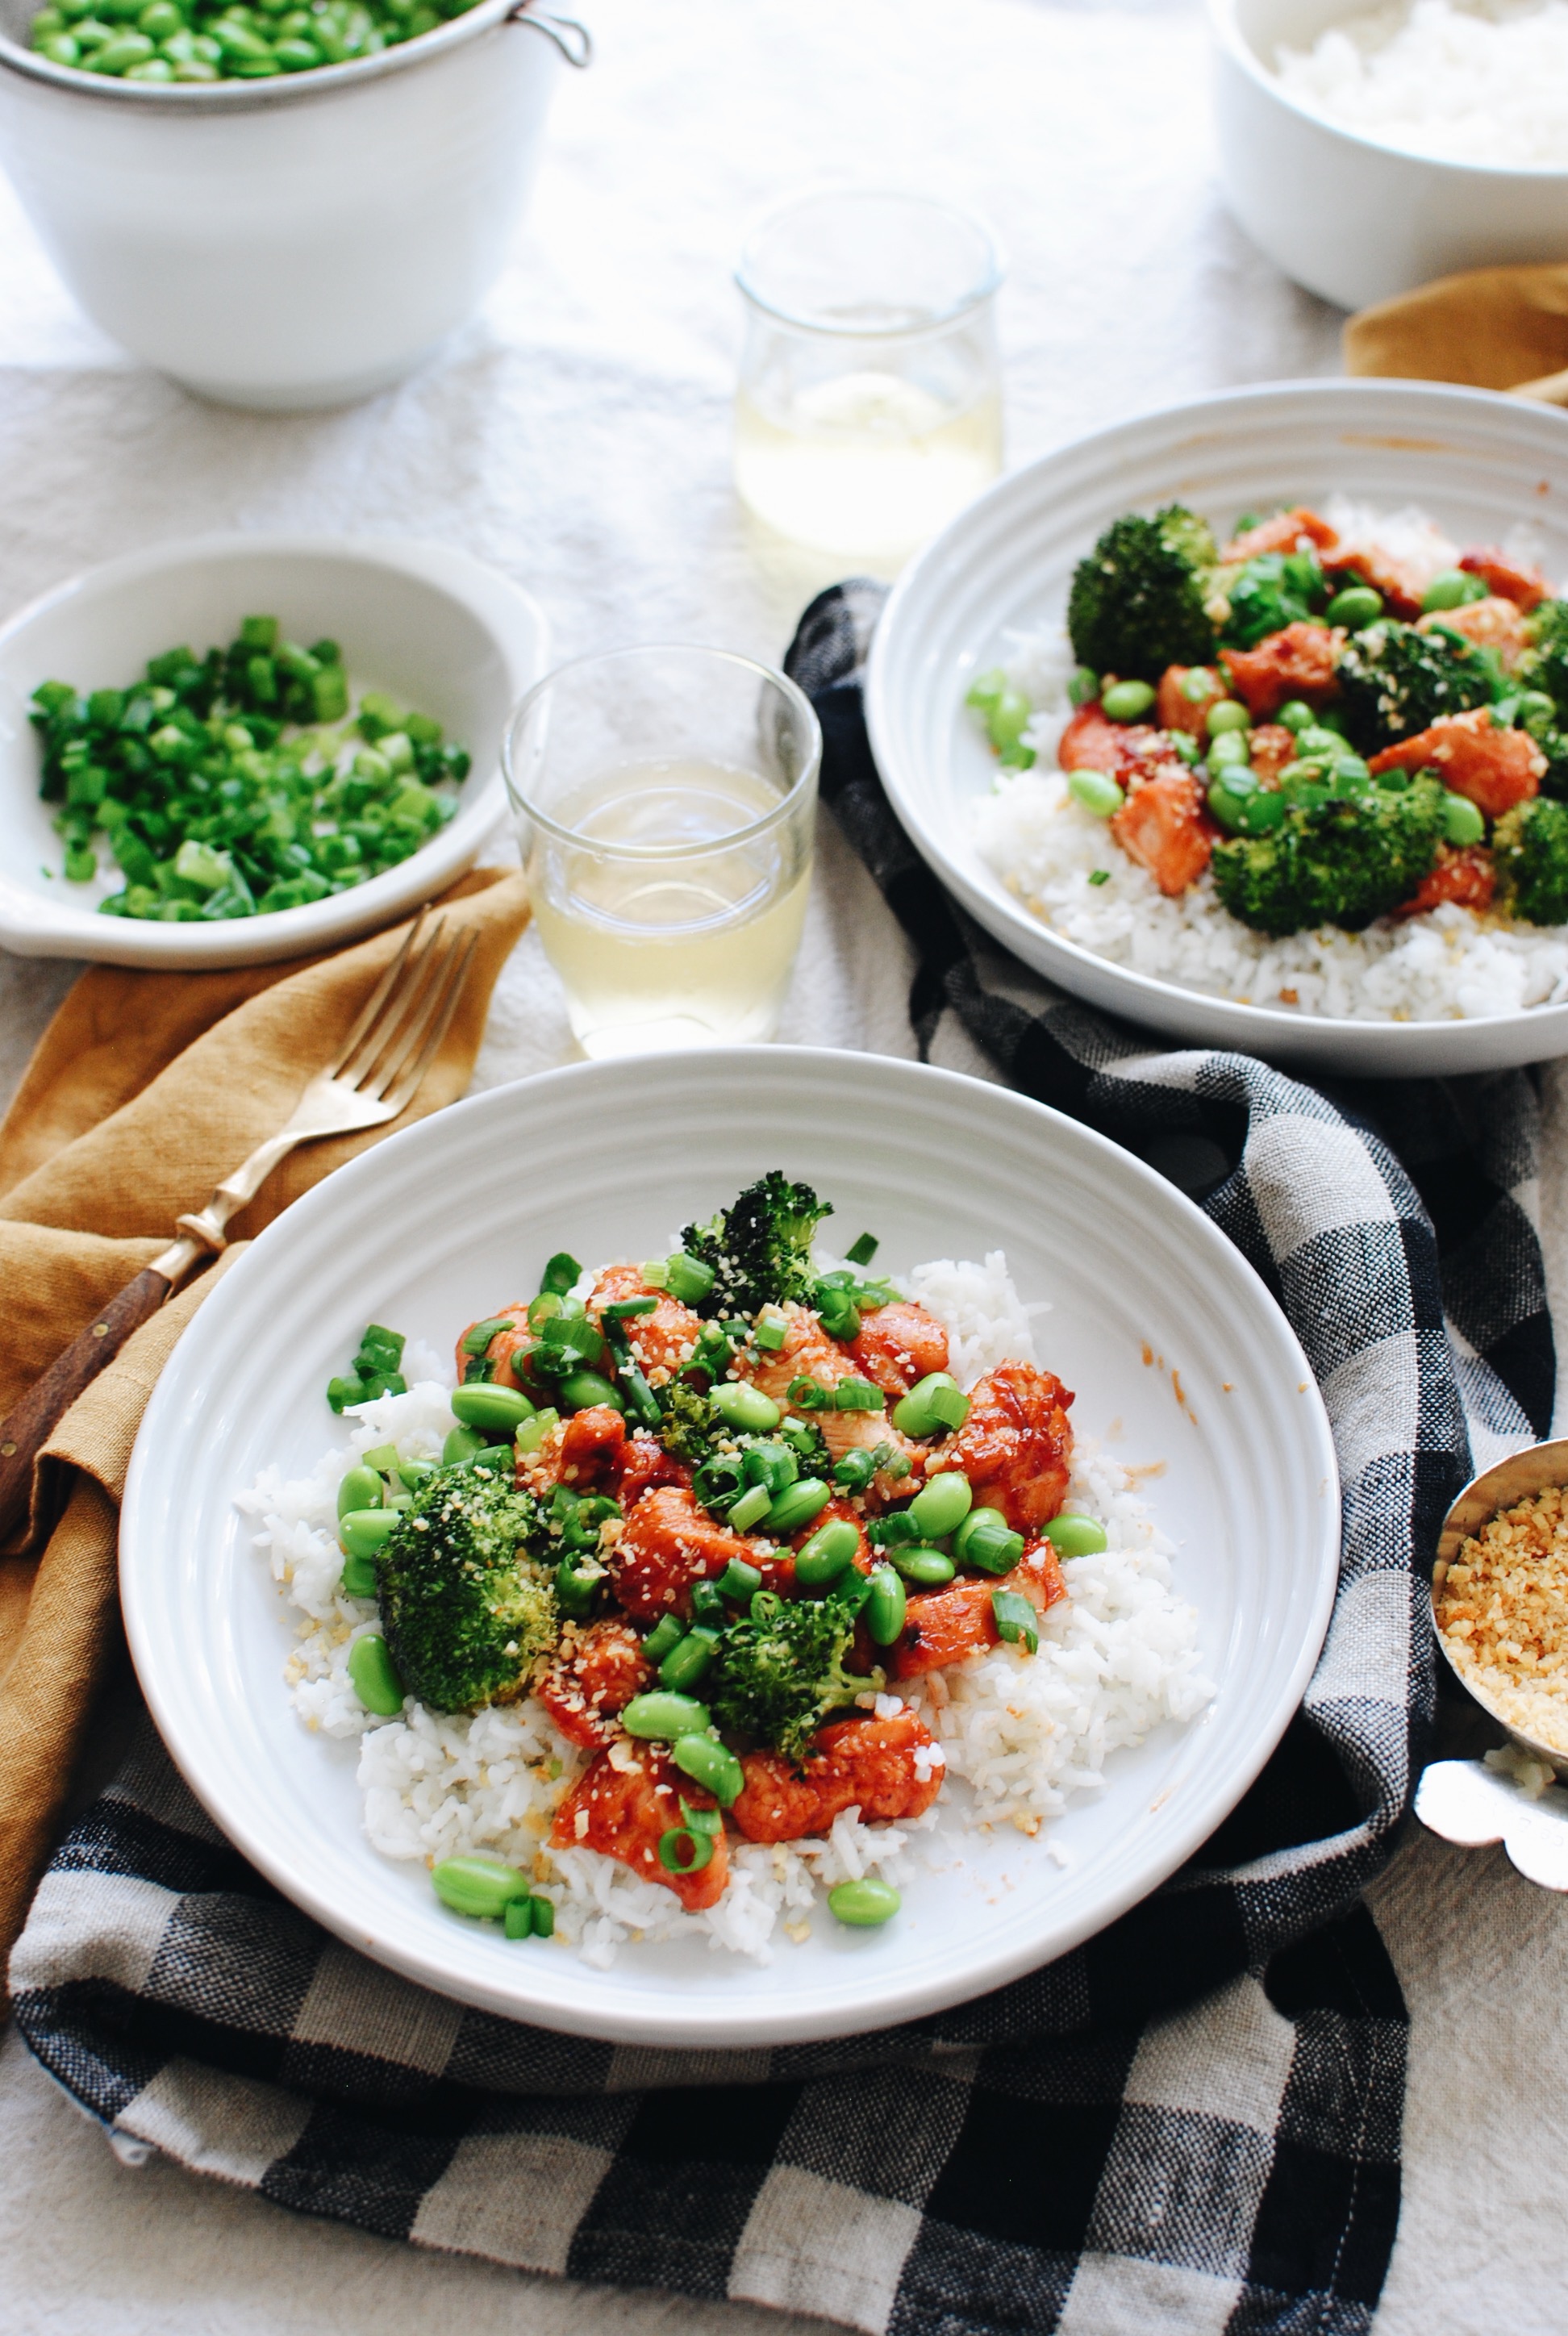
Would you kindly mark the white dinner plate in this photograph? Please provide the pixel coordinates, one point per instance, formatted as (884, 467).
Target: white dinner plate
(1475, 462)
(439, 1224)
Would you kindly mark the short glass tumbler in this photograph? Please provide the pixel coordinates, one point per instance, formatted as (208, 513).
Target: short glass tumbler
(666, 804)
(869, 407)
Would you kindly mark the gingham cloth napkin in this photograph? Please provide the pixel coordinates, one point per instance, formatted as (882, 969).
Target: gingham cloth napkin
(1191, 2124)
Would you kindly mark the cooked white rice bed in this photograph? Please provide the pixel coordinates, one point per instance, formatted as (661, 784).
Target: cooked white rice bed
(1483, 82)
(1018, 1733)
(1449, 965)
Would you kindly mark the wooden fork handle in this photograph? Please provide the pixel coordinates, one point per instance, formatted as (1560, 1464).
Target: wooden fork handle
(29, 1428)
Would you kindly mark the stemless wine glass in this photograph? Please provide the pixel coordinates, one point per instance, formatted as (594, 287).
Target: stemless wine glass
(666, 804)
(870, 408)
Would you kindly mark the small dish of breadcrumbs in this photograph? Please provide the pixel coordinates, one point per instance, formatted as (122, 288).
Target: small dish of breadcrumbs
(1502, 1612)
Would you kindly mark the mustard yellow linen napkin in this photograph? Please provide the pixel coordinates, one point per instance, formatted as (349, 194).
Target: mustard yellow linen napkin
(146, 1090)
(1492, 328)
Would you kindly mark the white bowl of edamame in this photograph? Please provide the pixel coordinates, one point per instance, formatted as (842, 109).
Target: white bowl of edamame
(1483, 468)
(1182, 1367)
(334, 765)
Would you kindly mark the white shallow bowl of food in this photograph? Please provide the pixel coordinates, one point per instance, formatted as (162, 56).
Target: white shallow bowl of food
(435, 628)
(1179, 1358)
(1351, 219)
(1477, 463)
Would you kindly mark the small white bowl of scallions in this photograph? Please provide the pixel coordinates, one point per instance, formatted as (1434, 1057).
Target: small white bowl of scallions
(249, 747)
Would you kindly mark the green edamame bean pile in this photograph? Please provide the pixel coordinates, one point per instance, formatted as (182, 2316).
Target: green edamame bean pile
(1309, 733)
(178, 42)
(236, 783)
(713, 1518)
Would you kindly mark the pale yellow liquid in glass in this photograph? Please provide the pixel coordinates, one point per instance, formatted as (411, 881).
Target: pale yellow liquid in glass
(865, 463)
(684, 952)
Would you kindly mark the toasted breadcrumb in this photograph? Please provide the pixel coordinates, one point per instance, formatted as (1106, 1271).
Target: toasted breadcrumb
(1502, 1607)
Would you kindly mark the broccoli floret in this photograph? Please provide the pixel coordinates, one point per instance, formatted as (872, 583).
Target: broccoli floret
(1340, 863)
(688, 1429)
(1395, 681)
(1137, 605)
(1545, 665)
(1530, 847)
(760, 1248)
(467, 1600)
(1275, 589)
(781, 1669)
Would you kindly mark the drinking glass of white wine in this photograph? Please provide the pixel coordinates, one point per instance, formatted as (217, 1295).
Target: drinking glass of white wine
(666, 804)
(870, 405)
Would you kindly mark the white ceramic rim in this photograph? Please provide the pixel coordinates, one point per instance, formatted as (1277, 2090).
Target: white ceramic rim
(574, 2000)
(257, 96)
(488, 595)
(788, 802)
(1258, 1029)
(1228, 33)
(852, 189)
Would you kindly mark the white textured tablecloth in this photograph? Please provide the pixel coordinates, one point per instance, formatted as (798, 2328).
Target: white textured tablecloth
(576, 434)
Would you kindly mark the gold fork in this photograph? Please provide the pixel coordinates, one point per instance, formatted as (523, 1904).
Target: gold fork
(375, 1076)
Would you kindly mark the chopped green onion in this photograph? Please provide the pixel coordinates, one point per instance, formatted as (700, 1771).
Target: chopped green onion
(738, 1580)
(561, 1274)
(751, 1508)
(810, 1395)
(476, 1340)
(666, 1633)
(858, 1395)
(1018, 1620)
(623, 1309)
(688, 1279)
(862, 1252)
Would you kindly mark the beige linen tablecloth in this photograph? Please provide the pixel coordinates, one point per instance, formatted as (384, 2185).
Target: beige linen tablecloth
(576, 434)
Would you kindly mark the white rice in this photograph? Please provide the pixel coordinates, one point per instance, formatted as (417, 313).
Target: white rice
(1019, 1734)
(1451, 964)
(1486, 82)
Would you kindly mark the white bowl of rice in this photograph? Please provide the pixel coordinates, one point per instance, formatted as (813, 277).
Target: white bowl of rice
(1368, 150)
(1075, 1779)
(1426, 467)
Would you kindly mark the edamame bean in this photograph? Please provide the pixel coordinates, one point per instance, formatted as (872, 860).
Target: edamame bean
(928, 1567)
(362, 1532)
(1096, 791)
(585, 1390)
(936, 1401)
(1229, 751)
(1083, 685)
(1295, 714)
(460, 1444)
(1071, 1535)
(481, 1887)
(1007, 719)
(372, 1677)
(743, 1408)
(1453, 589)
(824, 1557)
(358, 1577)
(1226, 713)
(887, 1603)
(708, 1762)
(665, 1716)
(159, 19)
(483, 1405)
(117, 56)
(60, 48)
(865, 1905)
(1462, 822)
(361, 1488)
(685, 1665)
(797, 1504)
(941, 1507)
(1357, 605)
(1125, 701)
(986, 1540)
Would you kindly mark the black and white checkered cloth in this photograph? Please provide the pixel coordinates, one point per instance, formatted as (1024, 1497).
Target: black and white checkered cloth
(1190, 2125)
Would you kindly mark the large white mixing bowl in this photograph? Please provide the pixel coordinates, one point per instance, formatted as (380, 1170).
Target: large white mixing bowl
(294, 243)
(1352, 219)
(1473, 462)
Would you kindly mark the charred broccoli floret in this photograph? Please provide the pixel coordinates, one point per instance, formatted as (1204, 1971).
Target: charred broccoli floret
(466, 1602)
(760, 1248)
(782, 1670)
(1395, 681)
(1545, 665)
(1342, 862)
(1137, 605)
(1530, 848)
